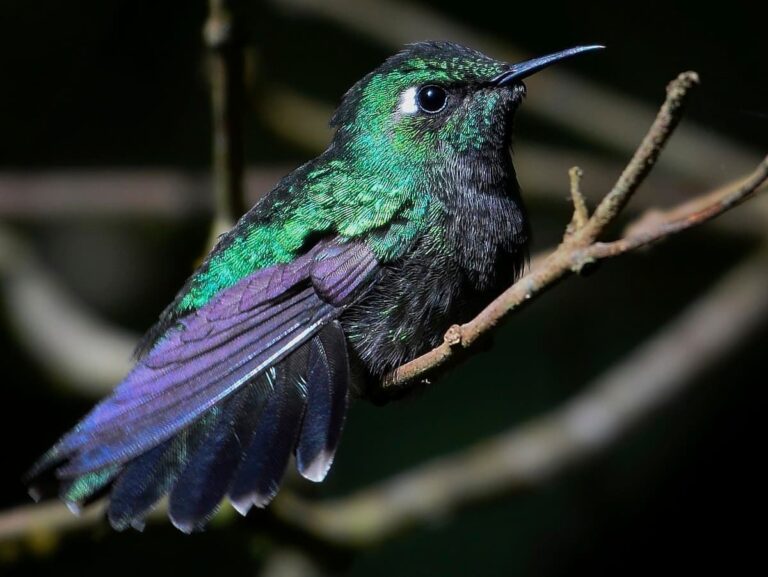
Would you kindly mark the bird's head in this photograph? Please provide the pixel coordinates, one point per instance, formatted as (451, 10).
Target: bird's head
(435, 98)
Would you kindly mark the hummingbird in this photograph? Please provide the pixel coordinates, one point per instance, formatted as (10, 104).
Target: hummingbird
(355, 263)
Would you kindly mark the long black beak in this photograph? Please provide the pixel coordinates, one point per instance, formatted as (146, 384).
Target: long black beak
(525, 69)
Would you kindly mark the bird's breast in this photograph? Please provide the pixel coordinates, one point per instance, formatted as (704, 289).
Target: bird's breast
(415, 300)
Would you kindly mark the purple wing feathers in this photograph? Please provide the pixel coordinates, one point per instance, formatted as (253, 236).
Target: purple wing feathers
(222, 399)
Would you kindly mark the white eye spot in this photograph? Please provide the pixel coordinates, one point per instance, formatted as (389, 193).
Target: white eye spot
(408, 102)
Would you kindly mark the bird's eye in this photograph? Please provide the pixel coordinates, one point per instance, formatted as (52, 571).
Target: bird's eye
(431, 98)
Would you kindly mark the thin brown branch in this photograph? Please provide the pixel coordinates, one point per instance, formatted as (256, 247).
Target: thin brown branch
(226, 68)
(657, 225)
(52, 517)
(291, 562)
(645, 156)
(580, 211)
(119, 192)
(579, 249)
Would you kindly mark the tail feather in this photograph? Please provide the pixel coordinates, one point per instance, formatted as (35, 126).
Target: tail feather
(79, 491)
(147, 478)
(240, 447)
(274, 439)
(210, 471)
(143, 482)
(327, 399)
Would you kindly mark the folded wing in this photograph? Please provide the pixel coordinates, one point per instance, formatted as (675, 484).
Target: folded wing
(224, 397)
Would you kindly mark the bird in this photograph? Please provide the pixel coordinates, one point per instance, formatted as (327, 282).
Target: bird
(355, 263)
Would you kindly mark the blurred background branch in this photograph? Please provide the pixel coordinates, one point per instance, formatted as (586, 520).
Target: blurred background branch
(64, 336)
(223, 36)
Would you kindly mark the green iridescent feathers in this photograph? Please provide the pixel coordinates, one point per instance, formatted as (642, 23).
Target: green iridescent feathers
(331, 200)
(374, 182)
